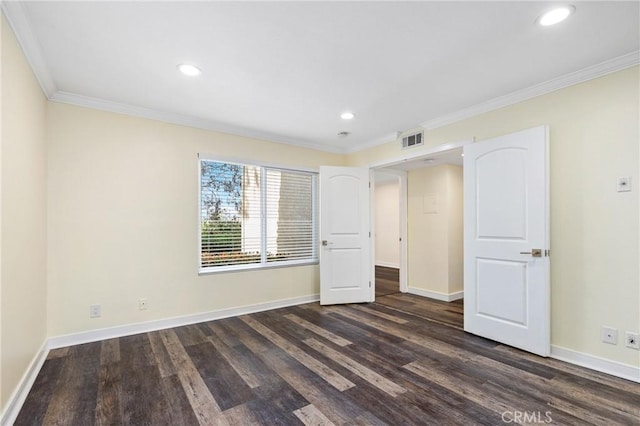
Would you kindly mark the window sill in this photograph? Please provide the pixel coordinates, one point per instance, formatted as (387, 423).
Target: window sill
(253, 267)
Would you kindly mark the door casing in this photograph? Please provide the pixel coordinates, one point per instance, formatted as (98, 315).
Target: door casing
(388, 166)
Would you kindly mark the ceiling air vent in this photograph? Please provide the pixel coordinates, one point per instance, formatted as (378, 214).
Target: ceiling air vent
(413, 140)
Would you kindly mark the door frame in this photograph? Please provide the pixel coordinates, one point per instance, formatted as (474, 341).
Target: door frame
(404, 223)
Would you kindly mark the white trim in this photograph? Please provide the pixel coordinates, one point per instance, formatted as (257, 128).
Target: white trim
(594, 71)
(19, 395)
(404, 232)
(15, 402)
(17, 18)
(436, 295)
(589, 73)
(145, 327)
(212, 270)
(199, 213)
(184, 120)
(263, 215)
(202, 156)
(372, 236)
(390, 137)
(618, 369)
(585, 74)
(19, 23)
(390, 162)
(387, 264)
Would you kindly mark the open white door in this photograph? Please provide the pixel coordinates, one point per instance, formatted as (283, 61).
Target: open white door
(506, 240)
(345, 260)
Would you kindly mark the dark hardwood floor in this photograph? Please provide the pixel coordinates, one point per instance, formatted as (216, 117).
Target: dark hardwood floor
(402, 360)
(387, 280)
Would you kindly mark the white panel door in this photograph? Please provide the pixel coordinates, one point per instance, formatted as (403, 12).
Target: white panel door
(345, 260)
(506, 220)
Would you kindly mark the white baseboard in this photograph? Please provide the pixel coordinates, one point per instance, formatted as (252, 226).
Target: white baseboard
(388, 265)
(592, 362)
(145, 327)
(436, 295)
(19, 395)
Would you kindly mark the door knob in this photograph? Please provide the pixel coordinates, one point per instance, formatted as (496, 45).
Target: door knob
(533, 252)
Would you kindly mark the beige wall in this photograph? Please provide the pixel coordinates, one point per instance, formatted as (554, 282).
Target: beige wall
(112, 200)
(594, 136)
(387, 223)
(123, 221)
(23, 217)
(434, 219)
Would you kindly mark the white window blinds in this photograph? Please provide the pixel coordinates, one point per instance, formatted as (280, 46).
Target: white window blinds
(252, 216)
(289, 215)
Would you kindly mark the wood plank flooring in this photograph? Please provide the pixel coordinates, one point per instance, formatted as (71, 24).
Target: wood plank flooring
(400, 361)
(387, 280)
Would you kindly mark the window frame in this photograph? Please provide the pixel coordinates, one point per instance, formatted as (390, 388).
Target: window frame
(263, 264)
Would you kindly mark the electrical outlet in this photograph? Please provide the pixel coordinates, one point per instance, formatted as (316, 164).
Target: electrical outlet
(610, 335)
(632, 340)
(142, 304)
(95, 311)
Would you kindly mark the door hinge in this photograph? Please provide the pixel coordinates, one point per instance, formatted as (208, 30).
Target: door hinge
(369, 284)
(547, 253)
(369, 234)
(369, 184)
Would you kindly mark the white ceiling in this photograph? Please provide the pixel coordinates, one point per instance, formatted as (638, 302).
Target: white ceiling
(284, 71)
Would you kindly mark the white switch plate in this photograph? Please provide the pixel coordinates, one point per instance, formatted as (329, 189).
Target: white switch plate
(610, 335)
(95, 311)
(624, 184)
(142, 304)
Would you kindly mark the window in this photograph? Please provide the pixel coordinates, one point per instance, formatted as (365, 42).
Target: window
(256, 216)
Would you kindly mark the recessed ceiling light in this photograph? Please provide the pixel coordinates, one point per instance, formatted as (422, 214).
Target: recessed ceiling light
(190, 70)
(347, 115)
(556, 15)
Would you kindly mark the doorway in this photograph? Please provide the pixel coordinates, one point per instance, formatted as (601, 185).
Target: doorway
(386, 205)
(427, 218)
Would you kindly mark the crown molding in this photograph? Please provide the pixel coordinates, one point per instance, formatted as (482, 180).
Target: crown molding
(17, 18)
(589, 73)
(390, 137)
(183, 120)
(598, 70)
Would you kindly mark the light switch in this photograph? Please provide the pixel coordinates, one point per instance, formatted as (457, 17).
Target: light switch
(624, 184)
